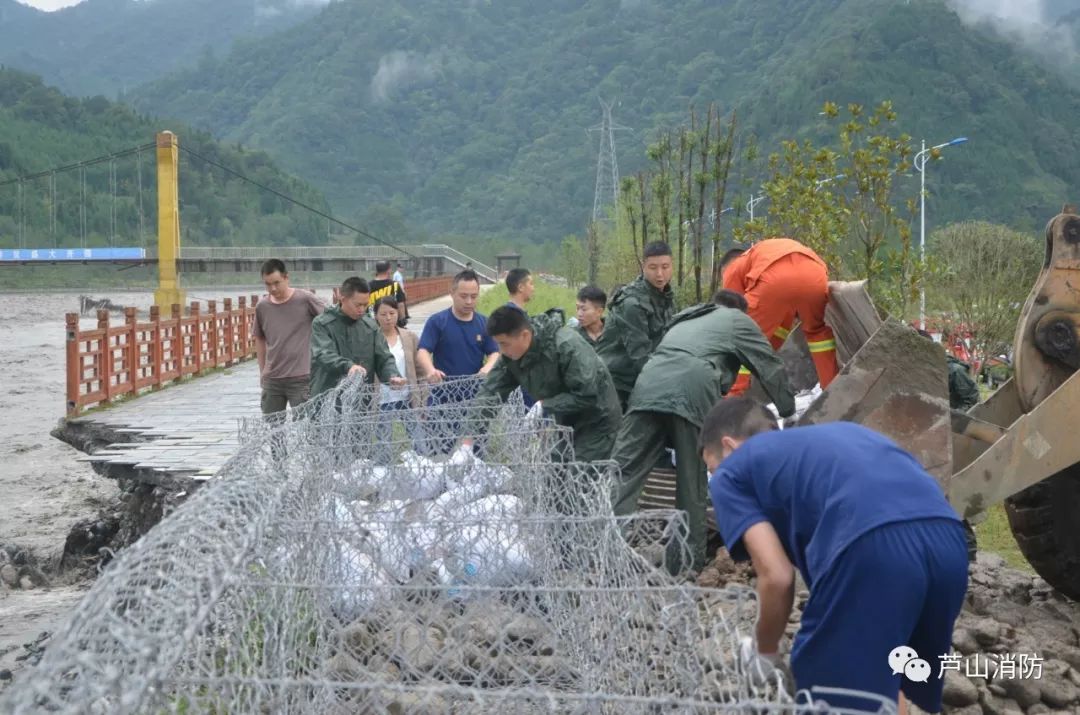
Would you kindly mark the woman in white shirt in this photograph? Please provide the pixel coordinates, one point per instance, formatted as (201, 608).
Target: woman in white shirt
(403, 346)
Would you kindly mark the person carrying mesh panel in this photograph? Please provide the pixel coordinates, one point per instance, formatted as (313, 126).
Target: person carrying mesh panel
(638, 314)
(693, 367)
(873, 536)
(782, 279)
(566, 377)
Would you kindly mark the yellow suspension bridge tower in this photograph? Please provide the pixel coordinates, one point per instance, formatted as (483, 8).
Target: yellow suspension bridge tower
(168, 193)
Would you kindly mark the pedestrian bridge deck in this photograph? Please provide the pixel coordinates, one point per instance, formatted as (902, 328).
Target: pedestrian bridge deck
(189, 429)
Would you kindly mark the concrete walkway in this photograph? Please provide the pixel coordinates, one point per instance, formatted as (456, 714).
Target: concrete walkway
(190, 429)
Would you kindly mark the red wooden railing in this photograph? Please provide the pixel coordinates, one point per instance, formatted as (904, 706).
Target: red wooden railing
(112, 361)
(419, 290)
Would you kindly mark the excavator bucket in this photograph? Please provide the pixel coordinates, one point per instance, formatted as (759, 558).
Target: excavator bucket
(896, 384)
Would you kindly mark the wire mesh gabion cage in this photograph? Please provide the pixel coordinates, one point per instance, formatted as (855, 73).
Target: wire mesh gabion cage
(328, 571)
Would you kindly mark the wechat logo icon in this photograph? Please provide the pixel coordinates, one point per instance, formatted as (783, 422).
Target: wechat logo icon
(904, 661)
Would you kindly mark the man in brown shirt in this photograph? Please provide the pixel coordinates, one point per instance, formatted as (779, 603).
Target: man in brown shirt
(283, 339)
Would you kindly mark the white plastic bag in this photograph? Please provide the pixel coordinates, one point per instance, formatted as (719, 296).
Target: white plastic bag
(359, 582)
(489, 551)
(416, 478)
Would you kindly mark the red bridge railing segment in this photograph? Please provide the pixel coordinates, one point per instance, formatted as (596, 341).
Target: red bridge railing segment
(113, 361)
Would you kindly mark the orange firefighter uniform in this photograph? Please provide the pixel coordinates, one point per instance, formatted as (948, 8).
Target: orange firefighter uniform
(782, 279)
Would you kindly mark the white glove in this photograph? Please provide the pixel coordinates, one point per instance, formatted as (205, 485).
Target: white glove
(535, 414)
(761, 668)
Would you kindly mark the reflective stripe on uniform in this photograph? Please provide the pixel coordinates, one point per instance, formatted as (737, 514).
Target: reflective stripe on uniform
(822, 346)
(744, 371)
(782, 332)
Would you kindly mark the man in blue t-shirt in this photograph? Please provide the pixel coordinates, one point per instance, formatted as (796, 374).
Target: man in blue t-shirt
(872, 534)
(455, 351)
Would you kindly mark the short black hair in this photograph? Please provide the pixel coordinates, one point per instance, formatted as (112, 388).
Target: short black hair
(593, 294)
(730, 255)
(925, 334)
(398, 264)
(382, 267)
(385, 300)
(354, 285)
(656, 248)
(515, 277)
(466, 275)
(274, 265)
(736, 417)
(731, 299)
(507, 320)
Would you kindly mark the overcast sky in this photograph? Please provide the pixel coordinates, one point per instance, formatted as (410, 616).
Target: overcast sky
(50, 4)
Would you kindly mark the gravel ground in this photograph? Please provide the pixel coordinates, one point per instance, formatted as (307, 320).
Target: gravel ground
(1008, 615)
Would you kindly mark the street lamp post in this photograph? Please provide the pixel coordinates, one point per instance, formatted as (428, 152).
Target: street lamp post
(754, 201)
(920, 165)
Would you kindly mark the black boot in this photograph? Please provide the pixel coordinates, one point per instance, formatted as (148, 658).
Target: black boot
(972, 544)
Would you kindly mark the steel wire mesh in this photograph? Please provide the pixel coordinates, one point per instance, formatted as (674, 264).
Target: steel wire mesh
(327, 571)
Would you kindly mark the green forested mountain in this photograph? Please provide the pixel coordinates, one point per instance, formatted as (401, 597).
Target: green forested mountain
(471, 117)
(109, 46)
(114, 202)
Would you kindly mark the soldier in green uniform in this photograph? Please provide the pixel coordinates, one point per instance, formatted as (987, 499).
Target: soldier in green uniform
(637, 316)
(591, 302)
(963, 391)
(559, 369)
(693, 367)
(346, 341)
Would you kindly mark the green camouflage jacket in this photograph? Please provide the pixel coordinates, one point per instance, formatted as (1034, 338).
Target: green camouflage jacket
(637, 316)
(338, 342)
(698, 359)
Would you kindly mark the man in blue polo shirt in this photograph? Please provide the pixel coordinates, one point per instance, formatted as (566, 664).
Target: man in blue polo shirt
(455, 342)
(872, 534)
(455, 346)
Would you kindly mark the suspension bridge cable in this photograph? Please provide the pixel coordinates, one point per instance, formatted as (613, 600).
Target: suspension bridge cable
(142, 223)
(81, 164)
(299, 203)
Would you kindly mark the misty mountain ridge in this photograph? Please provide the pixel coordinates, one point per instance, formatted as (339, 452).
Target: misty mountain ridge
(41, 129)
(111, 46)
(471, 118)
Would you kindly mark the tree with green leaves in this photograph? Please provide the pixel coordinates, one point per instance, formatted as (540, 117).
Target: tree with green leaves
(984, 274)
(842, 200)
(681, 199)
(574, 260)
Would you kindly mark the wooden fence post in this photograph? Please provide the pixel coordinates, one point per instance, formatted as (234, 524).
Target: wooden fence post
(131, 349)
(211, 308)
(253, 303)
(105, 366)
(242, 324)
(156, 353)
(176, 344)
(196, 336)
(74, 364)
(229, 332)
